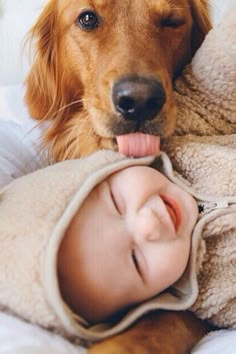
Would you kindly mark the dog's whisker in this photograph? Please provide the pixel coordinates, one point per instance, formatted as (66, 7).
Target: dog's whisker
(81, 100)
(67, 106)
(75, 130)
(74, 135)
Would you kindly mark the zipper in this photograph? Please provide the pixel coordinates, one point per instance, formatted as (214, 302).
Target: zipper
(207, 207)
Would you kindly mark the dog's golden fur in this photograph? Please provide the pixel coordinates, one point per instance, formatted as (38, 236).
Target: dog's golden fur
(74, 70)
(162, 332)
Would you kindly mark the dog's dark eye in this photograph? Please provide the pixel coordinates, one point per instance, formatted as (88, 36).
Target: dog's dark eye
(171, 22)
(88, 20)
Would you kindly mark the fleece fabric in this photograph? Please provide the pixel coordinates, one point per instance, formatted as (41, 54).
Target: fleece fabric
(204, 152)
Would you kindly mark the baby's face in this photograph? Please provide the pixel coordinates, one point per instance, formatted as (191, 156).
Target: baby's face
(129, 241)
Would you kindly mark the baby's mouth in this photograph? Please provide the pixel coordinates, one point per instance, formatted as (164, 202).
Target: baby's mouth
(173, 210)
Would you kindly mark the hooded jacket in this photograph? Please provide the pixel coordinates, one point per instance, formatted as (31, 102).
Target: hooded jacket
(37, 209)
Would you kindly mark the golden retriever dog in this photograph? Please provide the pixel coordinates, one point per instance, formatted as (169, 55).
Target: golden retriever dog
(102, 78)
(103, 70)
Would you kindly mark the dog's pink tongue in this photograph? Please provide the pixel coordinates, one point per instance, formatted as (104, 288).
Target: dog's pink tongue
(138, 144)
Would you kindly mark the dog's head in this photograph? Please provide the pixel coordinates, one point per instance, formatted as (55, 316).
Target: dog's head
(103, 70)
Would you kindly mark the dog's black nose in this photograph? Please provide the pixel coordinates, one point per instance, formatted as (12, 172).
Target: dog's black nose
(138, 98)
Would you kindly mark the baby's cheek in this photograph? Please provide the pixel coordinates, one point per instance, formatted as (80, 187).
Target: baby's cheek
(176, 263)
(181, 258)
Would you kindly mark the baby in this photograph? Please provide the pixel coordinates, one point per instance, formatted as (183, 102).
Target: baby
(85, 240)
(129, 240)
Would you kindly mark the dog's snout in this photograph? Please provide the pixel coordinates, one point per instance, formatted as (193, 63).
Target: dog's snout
(138, 98)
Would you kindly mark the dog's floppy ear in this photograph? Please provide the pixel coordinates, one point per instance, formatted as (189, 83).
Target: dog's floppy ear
(201, 22)
(48, 89)
(41, 82)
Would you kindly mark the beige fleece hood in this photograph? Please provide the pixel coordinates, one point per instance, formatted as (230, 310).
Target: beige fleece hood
(35, 213)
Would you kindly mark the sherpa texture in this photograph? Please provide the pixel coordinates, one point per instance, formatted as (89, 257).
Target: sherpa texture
(206, 92)
(206, 96)
(209, 165)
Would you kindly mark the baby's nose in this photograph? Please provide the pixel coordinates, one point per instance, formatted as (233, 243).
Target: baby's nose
(147, 226)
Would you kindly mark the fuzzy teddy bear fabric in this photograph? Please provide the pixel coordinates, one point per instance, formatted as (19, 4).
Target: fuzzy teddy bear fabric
(204, 152)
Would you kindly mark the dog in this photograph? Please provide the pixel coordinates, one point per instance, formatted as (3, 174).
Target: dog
(103, 70)
(102, 78)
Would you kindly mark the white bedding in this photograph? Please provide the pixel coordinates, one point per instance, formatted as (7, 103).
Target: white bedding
(18, 337)
(20, 151)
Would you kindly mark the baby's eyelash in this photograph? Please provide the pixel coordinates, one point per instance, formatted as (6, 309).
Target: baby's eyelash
(114, 200)
(135, 261)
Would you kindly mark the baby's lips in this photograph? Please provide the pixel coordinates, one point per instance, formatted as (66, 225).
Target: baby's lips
(138, 144)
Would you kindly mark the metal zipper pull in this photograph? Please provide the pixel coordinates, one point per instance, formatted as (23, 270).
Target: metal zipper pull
(206, 207)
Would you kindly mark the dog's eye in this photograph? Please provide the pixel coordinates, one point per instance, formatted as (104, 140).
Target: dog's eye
(88, 20)
(171, 22)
